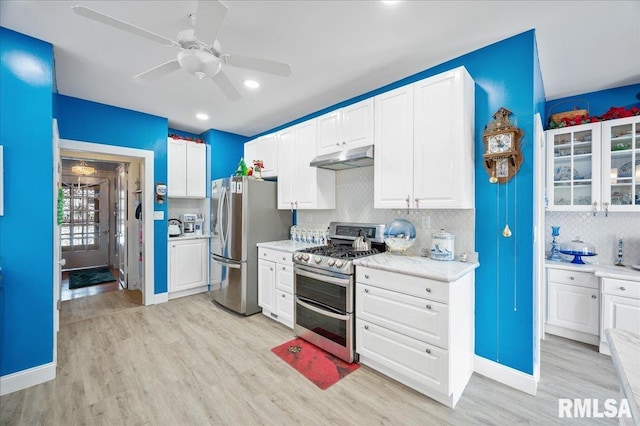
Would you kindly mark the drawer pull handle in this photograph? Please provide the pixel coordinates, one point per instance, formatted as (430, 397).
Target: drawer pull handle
(283, 295)
(622, 288)
(264, 254)
(366, 290)
(571, 278)
(284, 258)
(593, 296)
(366, 276)
(428, 306)
(428, 351)
(428, 290)
(366, 327)
(284, 269)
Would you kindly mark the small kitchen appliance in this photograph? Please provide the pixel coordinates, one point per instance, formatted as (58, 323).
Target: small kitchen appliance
(324, 287)
(175, 228)
(198, 224)
(189, 222)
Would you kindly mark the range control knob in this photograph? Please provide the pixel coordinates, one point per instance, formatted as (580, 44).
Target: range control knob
(298, 256)
(318, 260)
(305, 257)
(331, 262)
(339, 263)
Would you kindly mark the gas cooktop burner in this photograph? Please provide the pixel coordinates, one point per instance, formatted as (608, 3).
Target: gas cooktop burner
(341, 252)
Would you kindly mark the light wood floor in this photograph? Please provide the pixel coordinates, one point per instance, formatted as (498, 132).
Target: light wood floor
(190, 362)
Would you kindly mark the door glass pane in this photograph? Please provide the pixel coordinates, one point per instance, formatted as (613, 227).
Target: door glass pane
(582, 194)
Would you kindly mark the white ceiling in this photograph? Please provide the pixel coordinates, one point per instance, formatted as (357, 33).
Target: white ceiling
(337, 50)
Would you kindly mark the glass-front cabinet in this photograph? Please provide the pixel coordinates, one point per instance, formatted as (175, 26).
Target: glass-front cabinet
(573, 168)
(621, 164)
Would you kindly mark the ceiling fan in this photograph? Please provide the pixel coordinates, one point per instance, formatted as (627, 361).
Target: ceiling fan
(200, 51)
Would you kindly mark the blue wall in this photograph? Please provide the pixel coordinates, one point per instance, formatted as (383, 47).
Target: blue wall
(26, 229)
(226, 151)
(597, 103)
(98, 123)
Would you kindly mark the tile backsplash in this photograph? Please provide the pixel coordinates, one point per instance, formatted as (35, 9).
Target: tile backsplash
(354, 203)
(603, 232)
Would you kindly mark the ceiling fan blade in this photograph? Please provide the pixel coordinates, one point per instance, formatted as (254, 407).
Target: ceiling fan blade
(226, 86)
(159, 71)
(257, 64)
(209, 18)
(117, 23)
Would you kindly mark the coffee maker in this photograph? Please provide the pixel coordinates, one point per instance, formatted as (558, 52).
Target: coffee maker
(188, 222)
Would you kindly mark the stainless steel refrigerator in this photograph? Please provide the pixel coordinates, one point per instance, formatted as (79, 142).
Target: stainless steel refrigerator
(243, 213)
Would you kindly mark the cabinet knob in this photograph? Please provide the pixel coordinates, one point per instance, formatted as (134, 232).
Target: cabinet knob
(571, 278)
(283, 268)
(593, 296)
(271, 269)
(344, 142)
(428, 306)
(366, 327)
(428, 290)
(366, 276)
(283, 295)
(622, 288)
(337, 143)
(264, 254)
(366, 290)
(284, 258)
(428, 351)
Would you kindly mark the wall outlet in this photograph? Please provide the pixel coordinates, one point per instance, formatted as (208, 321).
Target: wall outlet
(424, 252)
(426, 222)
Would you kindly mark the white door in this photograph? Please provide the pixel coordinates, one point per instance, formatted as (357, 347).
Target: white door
(121, 225)
(176, 173)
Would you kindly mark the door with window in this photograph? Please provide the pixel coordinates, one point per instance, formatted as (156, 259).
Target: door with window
(84, 232)
(121, 224)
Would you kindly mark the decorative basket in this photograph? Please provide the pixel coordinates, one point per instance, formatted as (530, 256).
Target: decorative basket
(558, 117)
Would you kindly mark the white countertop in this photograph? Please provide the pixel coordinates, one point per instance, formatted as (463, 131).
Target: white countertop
(605, 271)
(418, 266)
(286, 245)
(190, 236)
(625, 347)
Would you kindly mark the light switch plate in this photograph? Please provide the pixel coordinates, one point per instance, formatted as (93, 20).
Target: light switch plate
(158, 215)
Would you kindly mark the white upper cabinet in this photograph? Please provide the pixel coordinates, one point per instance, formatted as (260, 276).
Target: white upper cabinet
(594, 167)
(264, 148)
(424, 151)
(345, 128)
(301, 186)
(186, 169)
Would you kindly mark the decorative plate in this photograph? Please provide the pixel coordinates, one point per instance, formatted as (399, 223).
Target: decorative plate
(564, 173)
(625, 170)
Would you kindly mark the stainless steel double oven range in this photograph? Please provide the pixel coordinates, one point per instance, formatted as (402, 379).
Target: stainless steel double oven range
(324, 287)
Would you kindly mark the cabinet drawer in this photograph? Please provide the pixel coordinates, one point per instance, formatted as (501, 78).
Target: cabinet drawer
(415, 317)
(268, 254)
(284, 277)
(403, 358)
(407, 284)
(584, 279)
(622, 288)
(284, 307)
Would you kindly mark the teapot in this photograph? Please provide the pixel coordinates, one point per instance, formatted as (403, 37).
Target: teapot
(361, 243)
(175, 229)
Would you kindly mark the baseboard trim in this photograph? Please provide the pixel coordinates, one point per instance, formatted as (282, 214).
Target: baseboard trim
(26, 378)
(188, 292)
(160, 298)
(505, 375)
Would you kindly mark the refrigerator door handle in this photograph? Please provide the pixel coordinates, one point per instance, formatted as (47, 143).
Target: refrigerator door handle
(226, 262)
(223, 194)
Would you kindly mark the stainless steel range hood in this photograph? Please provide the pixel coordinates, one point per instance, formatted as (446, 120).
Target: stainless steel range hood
(347, 159)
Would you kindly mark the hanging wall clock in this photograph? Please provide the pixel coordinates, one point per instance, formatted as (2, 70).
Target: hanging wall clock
(502, 153)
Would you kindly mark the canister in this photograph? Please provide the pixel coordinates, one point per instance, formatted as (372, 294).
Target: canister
(442, 245)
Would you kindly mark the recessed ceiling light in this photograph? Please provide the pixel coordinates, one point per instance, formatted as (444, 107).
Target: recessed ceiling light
(389, 2)
(202, 116)
(251, 84)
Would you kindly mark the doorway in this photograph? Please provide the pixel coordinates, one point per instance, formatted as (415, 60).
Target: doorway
(138, 197)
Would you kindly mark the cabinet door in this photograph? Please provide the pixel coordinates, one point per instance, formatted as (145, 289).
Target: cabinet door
(357, 124)
(286, 168)
(328, 133)
(284, 307)
(621, 164)
(264, 148)
(284, 277)
(196, 170)
(188, 267)
(443, 141)
(176, 172)
(266, 285)
(573, 168)
(574, 307)
(620, 312)
(314, 188)
(393, 159)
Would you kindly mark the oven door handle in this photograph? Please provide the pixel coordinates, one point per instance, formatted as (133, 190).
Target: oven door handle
(301, 270)
(321, 311)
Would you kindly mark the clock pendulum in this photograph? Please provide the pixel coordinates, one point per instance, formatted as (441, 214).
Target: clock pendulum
(506, 232)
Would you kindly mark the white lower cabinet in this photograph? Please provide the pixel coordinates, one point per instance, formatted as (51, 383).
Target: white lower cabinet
(417, 331)
(275, 285)
(620, 308)
(187, 267)
(573, 305)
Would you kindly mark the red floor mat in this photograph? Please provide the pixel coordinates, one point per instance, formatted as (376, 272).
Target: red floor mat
(322, 368)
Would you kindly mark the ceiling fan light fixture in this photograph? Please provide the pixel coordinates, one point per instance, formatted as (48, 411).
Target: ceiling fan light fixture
(199, 63)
